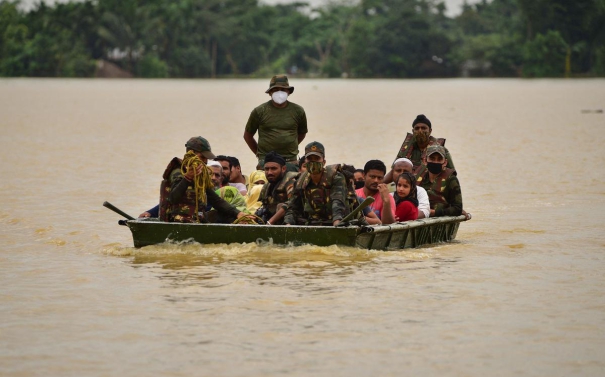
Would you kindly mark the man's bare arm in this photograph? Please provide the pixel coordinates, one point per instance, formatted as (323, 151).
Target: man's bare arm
(252, 144)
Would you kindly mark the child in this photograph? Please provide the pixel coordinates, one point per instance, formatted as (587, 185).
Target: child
(405, 197)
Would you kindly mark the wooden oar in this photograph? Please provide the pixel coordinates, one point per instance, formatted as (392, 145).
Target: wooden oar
(367, 201)
(117, 210)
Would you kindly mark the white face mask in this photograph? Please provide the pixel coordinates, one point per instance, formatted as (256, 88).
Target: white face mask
(279, 97)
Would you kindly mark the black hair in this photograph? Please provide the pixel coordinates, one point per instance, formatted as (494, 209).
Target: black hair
(348, 171)
(374, 165)
(358, 171)
(422, 119)
(223, 158)
(413, 195)
(301, 161)
(234, 161)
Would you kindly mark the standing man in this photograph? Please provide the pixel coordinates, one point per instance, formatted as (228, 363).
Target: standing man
(281, 125)
(414, 146)
(320, 194)
(384, 204)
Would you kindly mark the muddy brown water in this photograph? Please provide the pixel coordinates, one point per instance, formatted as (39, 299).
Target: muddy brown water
(521, 291)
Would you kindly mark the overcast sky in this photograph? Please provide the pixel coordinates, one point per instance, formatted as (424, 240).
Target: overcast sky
(453, 6)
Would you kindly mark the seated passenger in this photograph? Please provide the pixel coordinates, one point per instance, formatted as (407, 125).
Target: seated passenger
(403, 165)
(367, 216)
(358, 177)
(179, 201)
(301, 164)
(405, 197)
(320, 193)
(236, 176)
(277, 191)
(229, 194)
(441, 184)
(225, 162)
(384, 204)
(255, 186)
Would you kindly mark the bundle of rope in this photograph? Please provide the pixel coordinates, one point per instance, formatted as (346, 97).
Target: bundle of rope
(249, 219)
(201, 181)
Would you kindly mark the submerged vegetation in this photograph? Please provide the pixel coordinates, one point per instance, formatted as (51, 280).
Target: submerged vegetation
(367, 38)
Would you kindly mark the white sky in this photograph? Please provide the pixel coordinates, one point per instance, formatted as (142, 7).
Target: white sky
(453, 6)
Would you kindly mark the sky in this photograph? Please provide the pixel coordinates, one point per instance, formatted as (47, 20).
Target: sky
(453, 6)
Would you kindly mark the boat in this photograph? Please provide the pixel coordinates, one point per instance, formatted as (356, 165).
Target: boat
(398, 236)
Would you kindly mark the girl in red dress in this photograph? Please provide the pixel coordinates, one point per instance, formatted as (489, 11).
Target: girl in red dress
(405, 197)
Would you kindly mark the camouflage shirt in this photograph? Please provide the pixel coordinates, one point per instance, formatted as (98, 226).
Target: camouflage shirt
(412, 151)
(444, 193)
(278, 129)
(182, 196)
(321, 203)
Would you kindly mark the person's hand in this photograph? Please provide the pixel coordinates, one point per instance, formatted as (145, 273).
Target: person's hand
(191, 173)
(383, 189)
(467, 215)
(336, 222)
(145, 214)
(432, 214)
(240, 215)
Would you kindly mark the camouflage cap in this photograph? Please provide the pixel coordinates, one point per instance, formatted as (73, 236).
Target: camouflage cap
(280, 81)
(199, 144)
(435, 148)
(315, 148)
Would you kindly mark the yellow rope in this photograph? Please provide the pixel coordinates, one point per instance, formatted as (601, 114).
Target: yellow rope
(200, 182)
(249, 219)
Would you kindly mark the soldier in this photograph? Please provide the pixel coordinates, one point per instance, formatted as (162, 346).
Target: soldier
(277, 191)
(414, 146)
(441, 184)
(281, 125)
(177, 194)
(320, 194)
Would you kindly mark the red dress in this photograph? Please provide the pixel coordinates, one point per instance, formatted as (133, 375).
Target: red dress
(406, 211)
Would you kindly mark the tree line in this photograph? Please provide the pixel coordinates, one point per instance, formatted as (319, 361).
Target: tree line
(242, 38)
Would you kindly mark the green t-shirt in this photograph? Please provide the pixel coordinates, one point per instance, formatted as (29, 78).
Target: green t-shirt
(278, 128)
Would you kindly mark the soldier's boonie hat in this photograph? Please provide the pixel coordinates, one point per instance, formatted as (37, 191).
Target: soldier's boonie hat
(280, 81)
(199, 144)
(432, 149)
(315, 148)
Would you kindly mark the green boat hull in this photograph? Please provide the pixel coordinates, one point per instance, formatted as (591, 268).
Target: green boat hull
(397, 236)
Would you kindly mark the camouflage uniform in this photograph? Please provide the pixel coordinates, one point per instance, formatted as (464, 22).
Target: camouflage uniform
(318, 204)
(444, 192)
(410, 150)
(177, 194)
(275, 195)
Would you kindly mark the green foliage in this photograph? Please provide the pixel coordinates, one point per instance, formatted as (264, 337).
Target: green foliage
(545, 56)
(368, 38)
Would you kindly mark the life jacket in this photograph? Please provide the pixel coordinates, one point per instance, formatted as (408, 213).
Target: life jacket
(437, 189)
(184, 211)
(317, 206)
(407, 148)
(279, 194)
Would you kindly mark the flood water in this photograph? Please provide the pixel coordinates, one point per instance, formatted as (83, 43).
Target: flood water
(520, 292)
